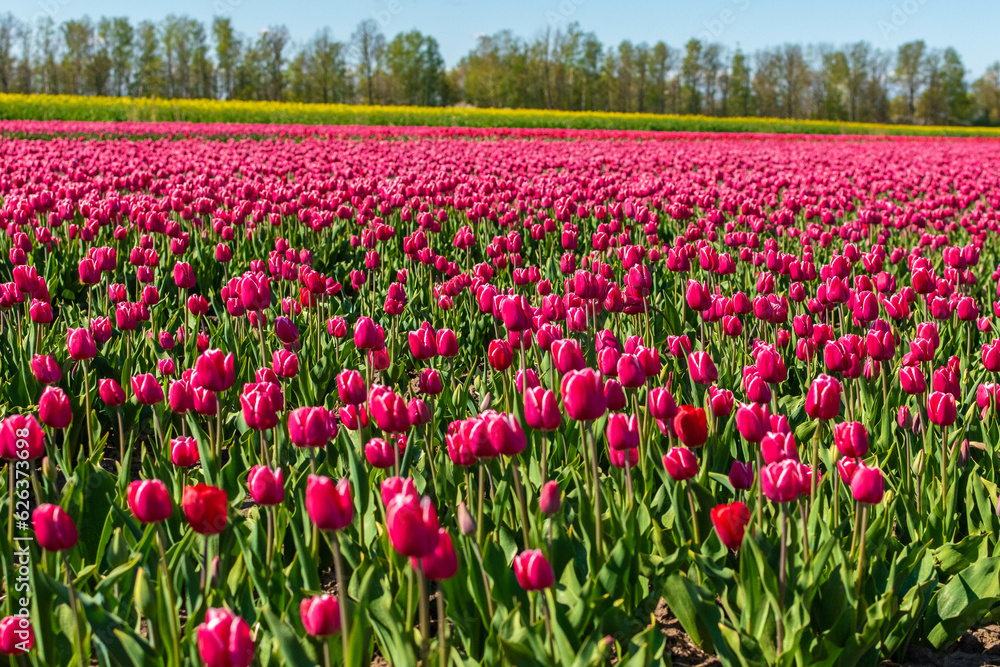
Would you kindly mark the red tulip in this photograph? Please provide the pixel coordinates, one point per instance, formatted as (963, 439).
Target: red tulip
(224, 640)
(781, 482)
(54, 409)
(146, 389)
(412, 525)
(533, 570)
(351, 387)
(867, 485)
(500, 355)
(741, 475)
(214, 370)
(752, 421)
(184, 452)
(54, 529)
(388, 410)
(549, 500)
(583, 395)
(851, 439)
(16, 635)
(823, 398)
(320, 615)
(730, 522)
(680, 463)
(149, 501)
(661, 404)
(691, 425)
(429, 382)
(504, 432)
(329, 503)
(267, 487)
(285, 364)
(541, 409)
(366, 336)
(941, 409)
(21, 438)
(46, 369)
(80, 343)
(260, 410)
(702, 368)
(623, 431)
(111, 392)
(442, 563)
(206, 508)
(309, 427)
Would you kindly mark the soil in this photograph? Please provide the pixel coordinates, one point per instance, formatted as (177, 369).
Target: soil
(977, 648)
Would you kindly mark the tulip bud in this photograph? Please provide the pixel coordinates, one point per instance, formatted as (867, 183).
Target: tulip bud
(741, 475)
(144, 595)
(466, 523)
(118, 551)
(550, 501)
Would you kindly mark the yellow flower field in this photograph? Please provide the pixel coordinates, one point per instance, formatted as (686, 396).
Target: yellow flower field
(70, 107)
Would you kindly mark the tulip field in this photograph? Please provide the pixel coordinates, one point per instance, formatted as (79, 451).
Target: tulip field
(275, 395)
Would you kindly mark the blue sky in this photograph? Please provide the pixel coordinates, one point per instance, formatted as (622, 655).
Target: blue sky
(971, 26)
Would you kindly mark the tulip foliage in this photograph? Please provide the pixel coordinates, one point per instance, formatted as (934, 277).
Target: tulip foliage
(327, 396)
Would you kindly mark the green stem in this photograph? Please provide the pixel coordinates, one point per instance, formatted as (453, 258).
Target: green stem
(173, 621)
(338, 569)
(597, 491)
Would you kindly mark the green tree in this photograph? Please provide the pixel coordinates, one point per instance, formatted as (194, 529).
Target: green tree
(909, 73)
(227, 53)
(956, 91)
(738, 103)
(986, 90)
(691, 70)
(122, 52)
(368, 44)
(148, 81)
(77, 39)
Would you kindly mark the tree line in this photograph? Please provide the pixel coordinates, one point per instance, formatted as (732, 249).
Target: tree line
(562, 68)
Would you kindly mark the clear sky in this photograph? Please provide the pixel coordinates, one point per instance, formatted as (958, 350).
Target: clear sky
(972, 26)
